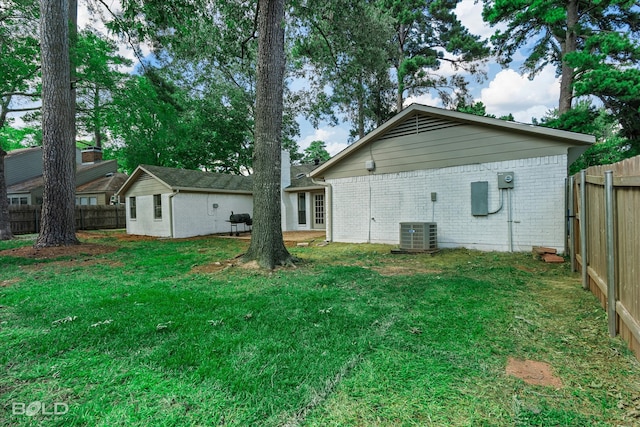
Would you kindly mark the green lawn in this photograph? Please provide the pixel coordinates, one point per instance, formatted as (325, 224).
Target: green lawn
(353, 336)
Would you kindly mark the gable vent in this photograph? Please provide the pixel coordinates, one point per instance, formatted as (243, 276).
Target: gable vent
(418, 123)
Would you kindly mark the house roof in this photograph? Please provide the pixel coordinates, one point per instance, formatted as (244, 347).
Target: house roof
(110, 182)
(300, 179)
(454, 118)
(21, 151)
(38, 181)
(192, 180)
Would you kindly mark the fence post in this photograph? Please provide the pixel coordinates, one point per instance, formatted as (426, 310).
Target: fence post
(571, 213)
(583, 228)
(609, 211)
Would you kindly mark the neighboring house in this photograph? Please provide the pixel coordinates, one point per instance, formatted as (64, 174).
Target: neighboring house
(101, 191)
(25, 184)
(488, 184)
(168, 202)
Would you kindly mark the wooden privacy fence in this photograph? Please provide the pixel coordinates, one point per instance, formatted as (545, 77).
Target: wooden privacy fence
(604, 240)
(25, 219)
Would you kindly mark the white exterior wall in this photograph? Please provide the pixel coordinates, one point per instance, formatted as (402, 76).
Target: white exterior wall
(289, 211)
(370, 208)
(144, 224)
(194, 214)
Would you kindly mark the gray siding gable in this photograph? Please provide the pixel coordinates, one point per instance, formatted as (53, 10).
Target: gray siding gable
(424, 137)
(23, 164)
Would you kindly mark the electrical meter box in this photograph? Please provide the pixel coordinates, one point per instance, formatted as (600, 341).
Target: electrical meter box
(505, 179)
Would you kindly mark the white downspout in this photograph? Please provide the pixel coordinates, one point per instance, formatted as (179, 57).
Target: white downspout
(171, 215)
(329, 208)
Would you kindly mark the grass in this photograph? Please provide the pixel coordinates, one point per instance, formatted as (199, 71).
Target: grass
(353, 336)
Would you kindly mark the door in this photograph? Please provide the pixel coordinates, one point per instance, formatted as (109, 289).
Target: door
(318, 211)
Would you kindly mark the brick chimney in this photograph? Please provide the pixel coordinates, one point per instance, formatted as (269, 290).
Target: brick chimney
(92, 155)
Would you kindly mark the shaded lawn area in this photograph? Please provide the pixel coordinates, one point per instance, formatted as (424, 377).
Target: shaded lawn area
(146, 334)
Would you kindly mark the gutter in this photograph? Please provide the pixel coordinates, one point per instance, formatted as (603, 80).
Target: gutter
(329, 208)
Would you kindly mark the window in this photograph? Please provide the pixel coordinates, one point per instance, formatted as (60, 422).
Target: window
(302, 208)
(18, 200)
(132, 208)
(157, 206)
(86, 201)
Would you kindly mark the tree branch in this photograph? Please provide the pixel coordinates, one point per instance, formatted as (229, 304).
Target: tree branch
(29, 95)
(126, 33)
(22, 110)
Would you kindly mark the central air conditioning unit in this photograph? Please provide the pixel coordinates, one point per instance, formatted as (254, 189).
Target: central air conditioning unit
(418, 236)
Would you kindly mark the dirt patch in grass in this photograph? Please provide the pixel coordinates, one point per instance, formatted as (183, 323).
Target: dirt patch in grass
(532, 372)
(119, 235)
(7, 283)
(399, 270)
(84, 249)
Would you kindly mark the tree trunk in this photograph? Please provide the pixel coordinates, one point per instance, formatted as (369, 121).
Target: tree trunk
(361, 112)
(400, 74)
(5, 223)
(97, 125)
(58, 150)
(73, 42)
(569, 44)
(267, 246)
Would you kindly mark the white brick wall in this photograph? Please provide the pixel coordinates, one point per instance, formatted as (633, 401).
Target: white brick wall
(370, 208)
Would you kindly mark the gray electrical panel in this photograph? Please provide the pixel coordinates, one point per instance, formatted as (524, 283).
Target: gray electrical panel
(505, 180)
(480, 198)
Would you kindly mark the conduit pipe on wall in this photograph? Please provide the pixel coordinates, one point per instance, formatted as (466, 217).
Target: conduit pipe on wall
(329, 208)
(509, 222)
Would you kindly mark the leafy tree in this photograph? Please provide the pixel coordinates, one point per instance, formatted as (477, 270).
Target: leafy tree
(317, 150)
(19, 68)
(611, 150)
(582, 118)
(343, 48)
(554, 30)
(585, 118)
(428, 34)
(58, 137)
(478, 109)
(97, 78)
(14, 138)
(607, 68)
(351, 47)
(19, 55)
(144, 122)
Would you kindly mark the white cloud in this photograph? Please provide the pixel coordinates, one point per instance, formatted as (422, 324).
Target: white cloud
(510, 92)
(469, 12)
(425, 99)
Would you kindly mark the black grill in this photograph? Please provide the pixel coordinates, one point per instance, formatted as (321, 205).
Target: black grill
(244, 219)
